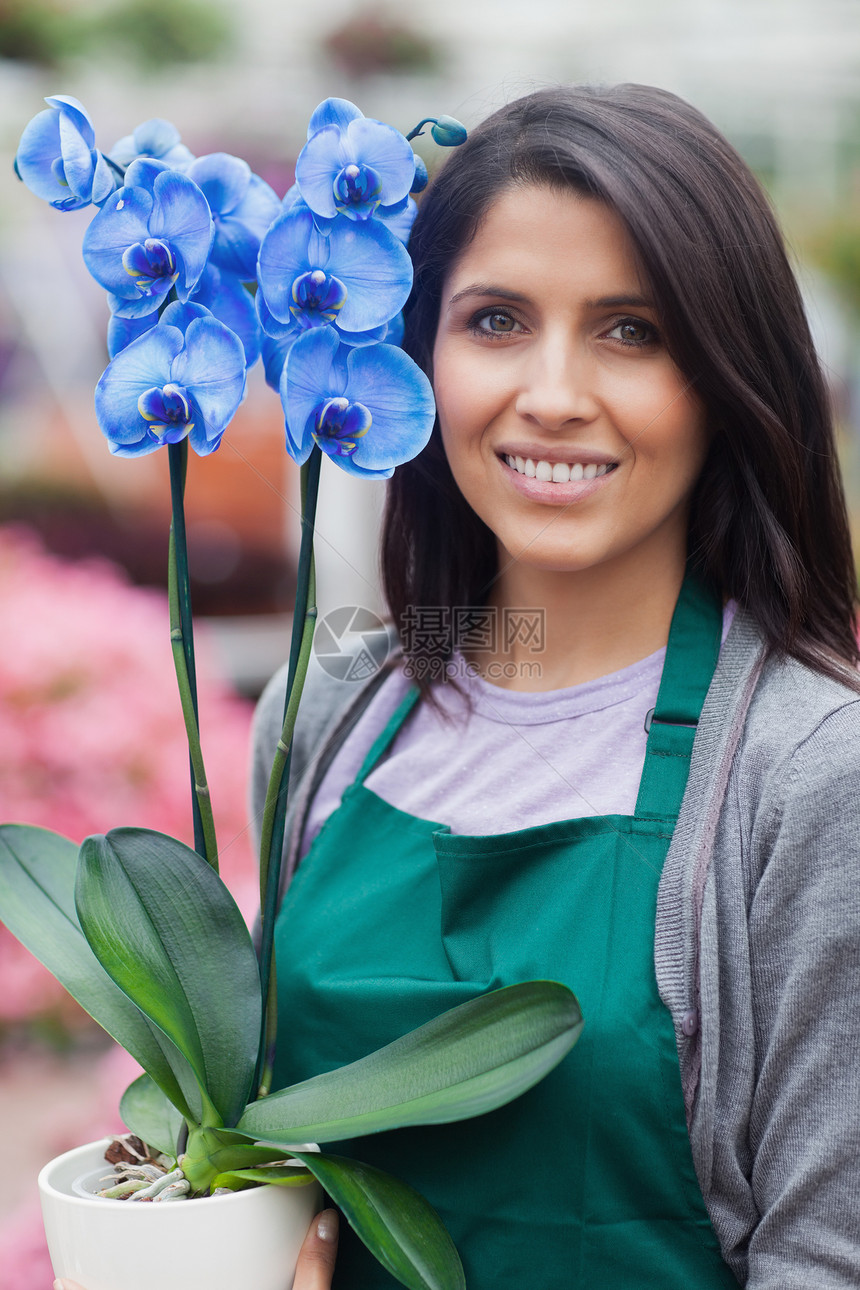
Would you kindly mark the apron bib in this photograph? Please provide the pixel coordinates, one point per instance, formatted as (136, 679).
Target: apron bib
(587, 1180)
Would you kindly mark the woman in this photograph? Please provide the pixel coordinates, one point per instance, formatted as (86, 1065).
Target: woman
(619, 745)
(633, 465)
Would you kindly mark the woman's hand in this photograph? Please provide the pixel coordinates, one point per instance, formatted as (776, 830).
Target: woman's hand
(316, 1258)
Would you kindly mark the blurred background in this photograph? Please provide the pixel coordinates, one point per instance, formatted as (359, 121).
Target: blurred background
(90, 734)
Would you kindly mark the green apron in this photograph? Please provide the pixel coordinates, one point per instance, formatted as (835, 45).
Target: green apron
(587, 1180)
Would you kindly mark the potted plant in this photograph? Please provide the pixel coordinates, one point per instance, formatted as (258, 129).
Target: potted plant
(205, 269)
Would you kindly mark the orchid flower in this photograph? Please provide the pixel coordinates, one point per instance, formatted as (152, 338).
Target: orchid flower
(351, 164)
(183, 378)
(355, 277)
(153, 235)
(57, 158)
(369, 409)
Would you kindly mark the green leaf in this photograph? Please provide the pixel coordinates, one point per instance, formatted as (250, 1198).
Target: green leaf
(470, 1060)
(146, 1111)
(167, 930)
(395, 1222)
(37, 904)
(279, 1175)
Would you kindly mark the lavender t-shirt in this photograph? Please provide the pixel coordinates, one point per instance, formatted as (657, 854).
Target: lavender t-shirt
(520, 758)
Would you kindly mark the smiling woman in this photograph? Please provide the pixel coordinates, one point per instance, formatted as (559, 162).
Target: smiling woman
(616, 741)
(549, 395)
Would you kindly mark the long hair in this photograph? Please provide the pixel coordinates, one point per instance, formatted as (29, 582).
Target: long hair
(768, 519)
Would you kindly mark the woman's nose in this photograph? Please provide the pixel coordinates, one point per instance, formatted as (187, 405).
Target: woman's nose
(557, 387)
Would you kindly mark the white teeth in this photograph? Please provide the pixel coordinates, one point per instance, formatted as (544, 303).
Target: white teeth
(559, 472)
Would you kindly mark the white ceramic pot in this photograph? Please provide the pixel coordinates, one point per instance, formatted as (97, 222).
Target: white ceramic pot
(250, 1239)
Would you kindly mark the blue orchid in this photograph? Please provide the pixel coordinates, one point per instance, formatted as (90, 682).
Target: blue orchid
(242, 205)
(369, 409)
(356, 277)
(57, 158)
(184, 378)
(157, 139)
(351, 165)
(153, 235)
(226, 298)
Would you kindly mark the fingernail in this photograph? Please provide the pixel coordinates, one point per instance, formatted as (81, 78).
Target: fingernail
(59, 1285)
(326, 1226)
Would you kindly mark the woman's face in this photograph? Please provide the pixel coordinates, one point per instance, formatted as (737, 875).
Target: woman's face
(567, 426)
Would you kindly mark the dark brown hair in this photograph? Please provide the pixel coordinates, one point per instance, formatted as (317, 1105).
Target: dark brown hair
(768, 519)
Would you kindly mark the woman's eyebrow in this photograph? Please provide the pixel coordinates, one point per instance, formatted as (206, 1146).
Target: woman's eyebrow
(487, 289)
(623, 300)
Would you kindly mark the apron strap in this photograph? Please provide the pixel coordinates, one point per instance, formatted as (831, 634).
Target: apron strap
(381, 743)
(691, 656)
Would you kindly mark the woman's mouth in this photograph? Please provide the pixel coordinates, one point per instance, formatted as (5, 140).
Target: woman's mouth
(556, 483)
(558, 472)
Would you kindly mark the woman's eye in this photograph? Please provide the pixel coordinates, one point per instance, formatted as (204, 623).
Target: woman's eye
(633, 331)
(495, 323)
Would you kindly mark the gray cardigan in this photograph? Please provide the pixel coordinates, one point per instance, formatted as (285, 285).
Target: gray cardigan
(757, 948)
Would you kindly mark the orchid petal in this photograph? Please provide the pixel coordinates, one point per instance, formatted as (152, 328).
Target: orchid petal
(371, 337)
(182, 316)
(78, 159)
(143, 172)
(322, 158)
(223, 178)
(292, 197)
(283, 256)
(238, 235)
(308, 380)
(395, 331)
(37, 150)
(146, 362)
(181, 216)
(274, 351)
(141, 306)
(105, 181)
(211, 366)
(232, 304)
(399, 221)
(120, 223)
(337, 112)
(377, 271)
(272, 326)
(122, 331)
(154, 138)
(400, 399)
(74, 110)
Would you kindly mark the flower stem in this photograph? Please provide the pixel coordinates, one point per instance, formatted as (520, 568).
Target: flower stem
(419, 128)
(275, 807)
(182, 643)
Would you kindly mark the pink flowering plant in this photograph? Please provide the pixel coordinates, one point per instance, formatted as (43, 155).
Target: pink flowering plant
(205, 268)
